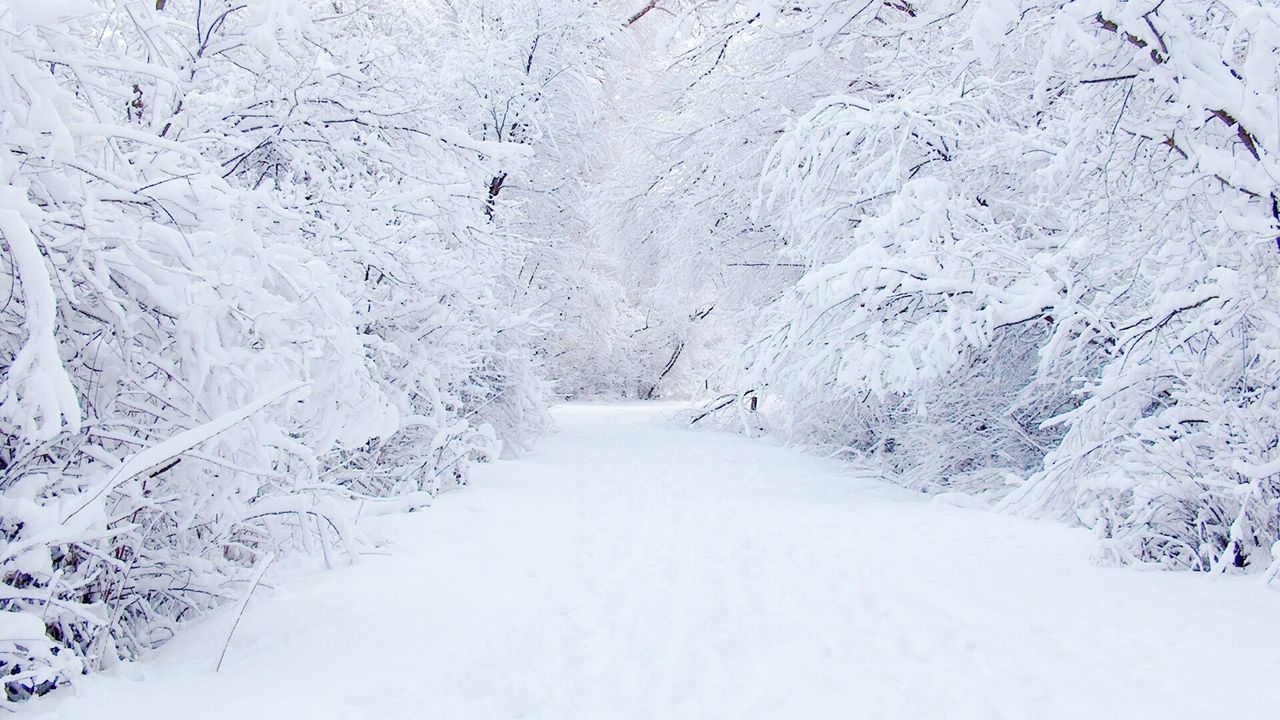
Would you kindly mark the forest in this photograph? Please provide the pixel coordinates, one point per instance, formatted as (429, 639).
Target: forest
(272, 267)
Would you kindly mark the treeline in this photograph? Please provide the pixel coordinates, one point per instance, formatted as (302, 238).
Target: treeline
(262, 278)
(1024, 251)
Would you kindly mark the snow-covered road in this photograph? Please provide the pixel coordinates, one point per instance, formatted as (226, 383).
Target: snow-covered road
(630, 569)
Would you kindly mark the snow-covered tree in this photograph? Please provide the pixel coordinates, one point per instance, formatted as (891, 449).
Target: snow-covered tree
(272, 265)
(250, 275)
(1043, 237)
(532, 75)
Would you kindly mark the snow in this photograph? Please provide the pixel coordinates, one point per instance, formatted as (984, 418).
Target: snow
(628, 568)
(1019, 256)
(36, 395)
(177, 445)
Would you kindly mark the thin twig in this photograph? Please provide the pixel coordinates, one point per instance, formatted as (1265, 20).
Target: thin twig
(253, 585)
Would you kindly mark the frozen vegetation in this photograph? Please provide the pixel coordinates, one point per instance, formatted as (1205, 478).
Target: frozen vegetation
(631, 570)
(277, 272)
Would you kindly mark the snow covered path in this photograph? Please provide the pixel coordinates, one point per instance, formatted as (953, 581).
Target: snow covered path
(629, 569)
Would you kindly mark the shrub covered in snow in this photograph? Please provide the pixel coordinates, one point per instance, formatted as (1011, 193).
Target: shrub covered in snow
(250, 276)
(1042, 251)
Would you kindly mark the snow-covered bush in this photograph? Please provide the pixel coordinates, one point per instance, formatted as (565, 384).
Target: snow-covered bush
(1044, 241)
(250, 275)
(933, 331)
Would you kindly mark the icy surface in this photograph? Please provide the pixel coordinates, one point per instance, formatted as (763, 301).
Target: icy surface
(630, 569)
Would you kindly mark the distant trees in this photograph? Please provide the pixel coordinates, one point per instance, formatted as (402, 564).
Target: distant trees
(534, 74)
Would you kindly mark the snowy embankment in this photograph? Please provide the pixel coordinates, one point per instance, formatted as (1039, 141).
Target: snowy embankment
(628, 569)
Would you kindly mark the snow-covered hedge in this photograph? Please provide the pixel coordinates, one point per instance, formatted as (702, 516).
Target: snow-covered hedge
(1043, 248)
(249, 275)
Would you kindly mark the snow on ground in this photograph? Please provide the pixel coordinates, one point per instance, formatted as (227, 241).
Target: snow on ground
(631, 569)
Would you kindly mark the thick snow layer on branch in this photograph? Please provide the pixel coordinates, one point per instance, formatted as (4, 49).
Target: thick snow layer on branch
(38, 400)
